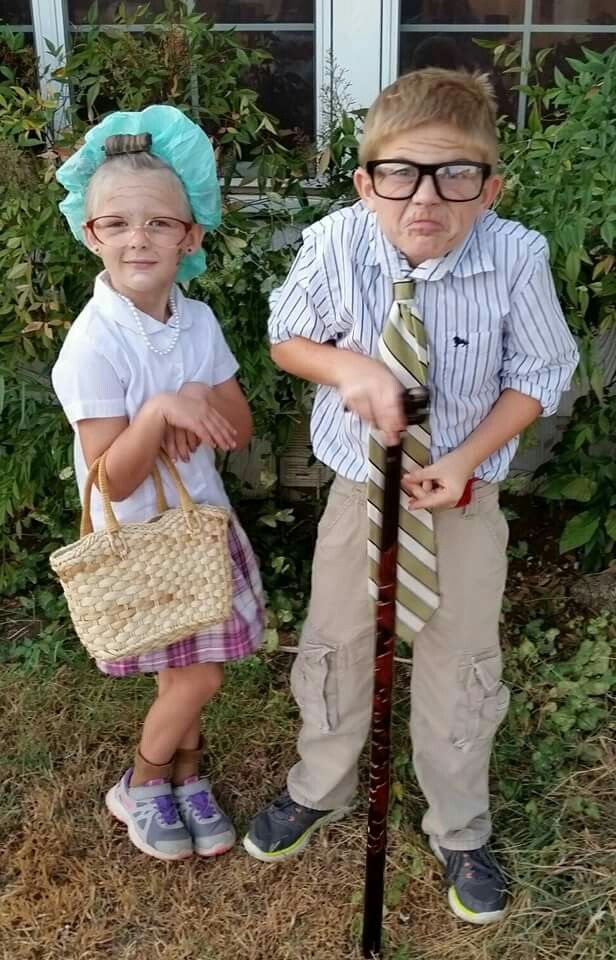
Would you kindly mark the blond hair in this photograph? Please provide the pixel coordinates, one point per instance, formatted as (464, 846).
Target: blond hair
(463, 100)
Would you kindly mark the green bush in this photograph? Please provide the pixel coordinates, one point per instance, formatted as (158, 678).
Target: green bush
(45, 277)
(561, 180)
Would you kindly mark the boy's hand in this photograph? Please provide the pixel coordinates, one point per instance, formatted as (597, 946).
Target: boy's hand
(189, 411)
(439, 485)
(370, 390)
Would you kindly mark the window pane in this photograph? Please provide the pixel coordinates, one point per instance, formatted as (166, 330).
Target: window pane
(107, 9)
(458, 50)
(597, 12)
(258, 11)
(567, 45)
(286, 83)
(463, 11)
(15, 11)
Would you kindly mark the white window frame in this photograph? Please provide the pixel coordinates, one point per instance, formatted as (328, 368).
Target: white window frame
(50, 25)
(361, 37)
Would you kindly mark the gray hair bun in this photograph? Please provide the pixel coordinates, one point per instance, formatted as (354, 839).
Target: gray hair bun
(121, 143)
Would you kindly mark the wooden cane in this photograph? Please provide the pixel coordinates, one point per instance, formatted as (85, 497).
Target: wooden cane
(380, 751)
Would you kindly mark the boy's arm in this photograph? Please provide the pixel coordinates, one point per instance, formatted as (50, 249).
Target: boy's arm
(442, 483)
(539, 359)
(305, 322)
(366, 386)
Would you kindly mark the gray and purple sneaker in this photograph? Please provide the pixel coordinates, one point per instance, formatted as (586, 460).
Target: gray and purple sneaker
(211, 830)
(151, 816)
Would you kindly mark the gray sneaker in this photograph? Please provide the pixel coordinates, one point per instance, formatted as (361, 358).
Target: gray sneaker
(211, 830)
(284, 828)
(151, 816)
(477, 888)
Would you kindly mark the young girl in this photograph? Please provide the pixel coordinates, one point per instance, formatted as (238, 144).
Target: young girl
(141, 368)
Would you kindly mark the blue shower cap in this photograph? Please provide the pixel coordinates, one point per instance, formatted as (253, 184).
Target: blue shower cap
(177, 141)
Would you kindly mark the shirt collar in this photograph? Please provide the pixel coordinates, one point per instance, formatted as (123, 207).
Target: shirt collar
(465, 260)
(118, 310)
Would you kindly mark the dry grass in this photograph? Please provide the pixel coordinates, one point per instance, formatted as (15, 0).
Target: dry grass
(71, 887)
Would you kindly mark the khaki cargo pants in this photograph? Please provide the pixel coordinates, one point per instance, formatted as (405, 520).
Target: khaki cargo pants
(457, 697)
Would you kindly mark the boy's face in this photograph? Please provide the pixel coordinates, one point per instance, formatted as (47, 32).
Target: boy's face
(425, 226)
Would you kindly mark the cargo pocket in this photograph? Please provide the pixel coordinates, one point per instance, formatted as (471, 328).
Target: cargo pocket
(313, 683)
(482, 699)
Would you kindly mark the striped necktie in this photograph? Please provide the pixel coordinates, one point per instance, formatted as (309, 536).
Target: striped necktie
(403, 348)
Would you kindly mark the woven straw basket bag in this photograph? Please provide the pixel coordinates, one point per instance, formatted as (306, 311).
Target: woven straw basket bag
(138, 587)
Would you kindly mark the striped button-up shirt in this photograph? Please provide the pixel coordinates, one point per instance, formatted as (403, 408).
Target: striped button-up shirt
(491, 315)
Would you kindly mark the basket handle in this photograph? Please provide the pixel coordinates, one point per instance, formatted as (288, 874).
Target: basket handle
(98, 471)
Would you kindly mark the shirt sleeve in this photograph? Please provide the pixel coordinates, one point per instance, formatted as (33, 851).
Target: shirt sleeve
(539, 352)
(86, 383)
(224, 364)
(302, 306)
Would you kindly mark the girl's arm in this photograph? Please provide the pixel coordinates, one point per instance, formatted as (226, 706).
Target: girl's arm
(132, 448)
(228, 399)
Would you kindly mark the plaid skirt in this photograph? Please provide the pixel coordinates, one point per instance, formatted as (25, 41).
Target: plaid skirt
(237, 637)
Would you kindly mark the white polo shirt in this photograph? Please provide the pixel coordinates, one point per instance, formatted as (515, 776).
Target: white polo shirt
(106, 369)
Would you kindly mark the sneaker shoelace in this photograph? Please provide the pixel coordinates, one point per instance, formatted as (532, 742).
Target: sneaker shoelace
(285, 808)
(166, 809)
(471, 865)
(281, 807)
(202, 804)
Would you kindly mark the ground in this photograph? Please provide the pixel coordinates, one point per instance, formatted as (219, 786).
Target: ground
(72, 888)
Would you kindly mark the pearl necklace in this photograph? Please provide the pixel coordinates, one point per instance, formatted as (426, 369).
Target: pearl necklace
(173, 322)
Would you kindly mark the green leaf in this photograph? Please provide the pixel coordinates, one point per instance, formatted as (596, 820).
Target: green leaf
(582, 489)
(610, 524)
(572, 266)
(559, 78)
(498, 51)
(271, 640)
(542, 55)
(92, 94)
(579, 531)
(18, 271)
(596, 382)
(608, 233)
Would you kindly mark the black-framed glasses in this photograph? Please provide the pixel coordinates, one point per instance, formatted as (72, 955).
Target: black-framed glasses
(458, 181)
(117, 231)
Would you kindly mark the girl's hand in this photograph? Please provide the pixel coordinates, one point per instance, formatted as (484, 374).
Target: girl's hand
(197, 416)
(439, 485)
(180, 444)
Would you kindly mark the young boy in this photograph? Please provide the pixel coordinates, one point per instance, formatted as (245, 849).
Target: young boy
(500, 355)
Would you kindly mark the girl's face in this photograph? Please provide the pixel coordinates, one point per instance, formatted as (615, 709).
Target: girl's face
(144, 265)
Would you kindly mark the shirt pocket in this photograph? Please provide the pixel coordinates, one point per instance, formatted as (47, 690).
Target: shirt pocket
(469, 363)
